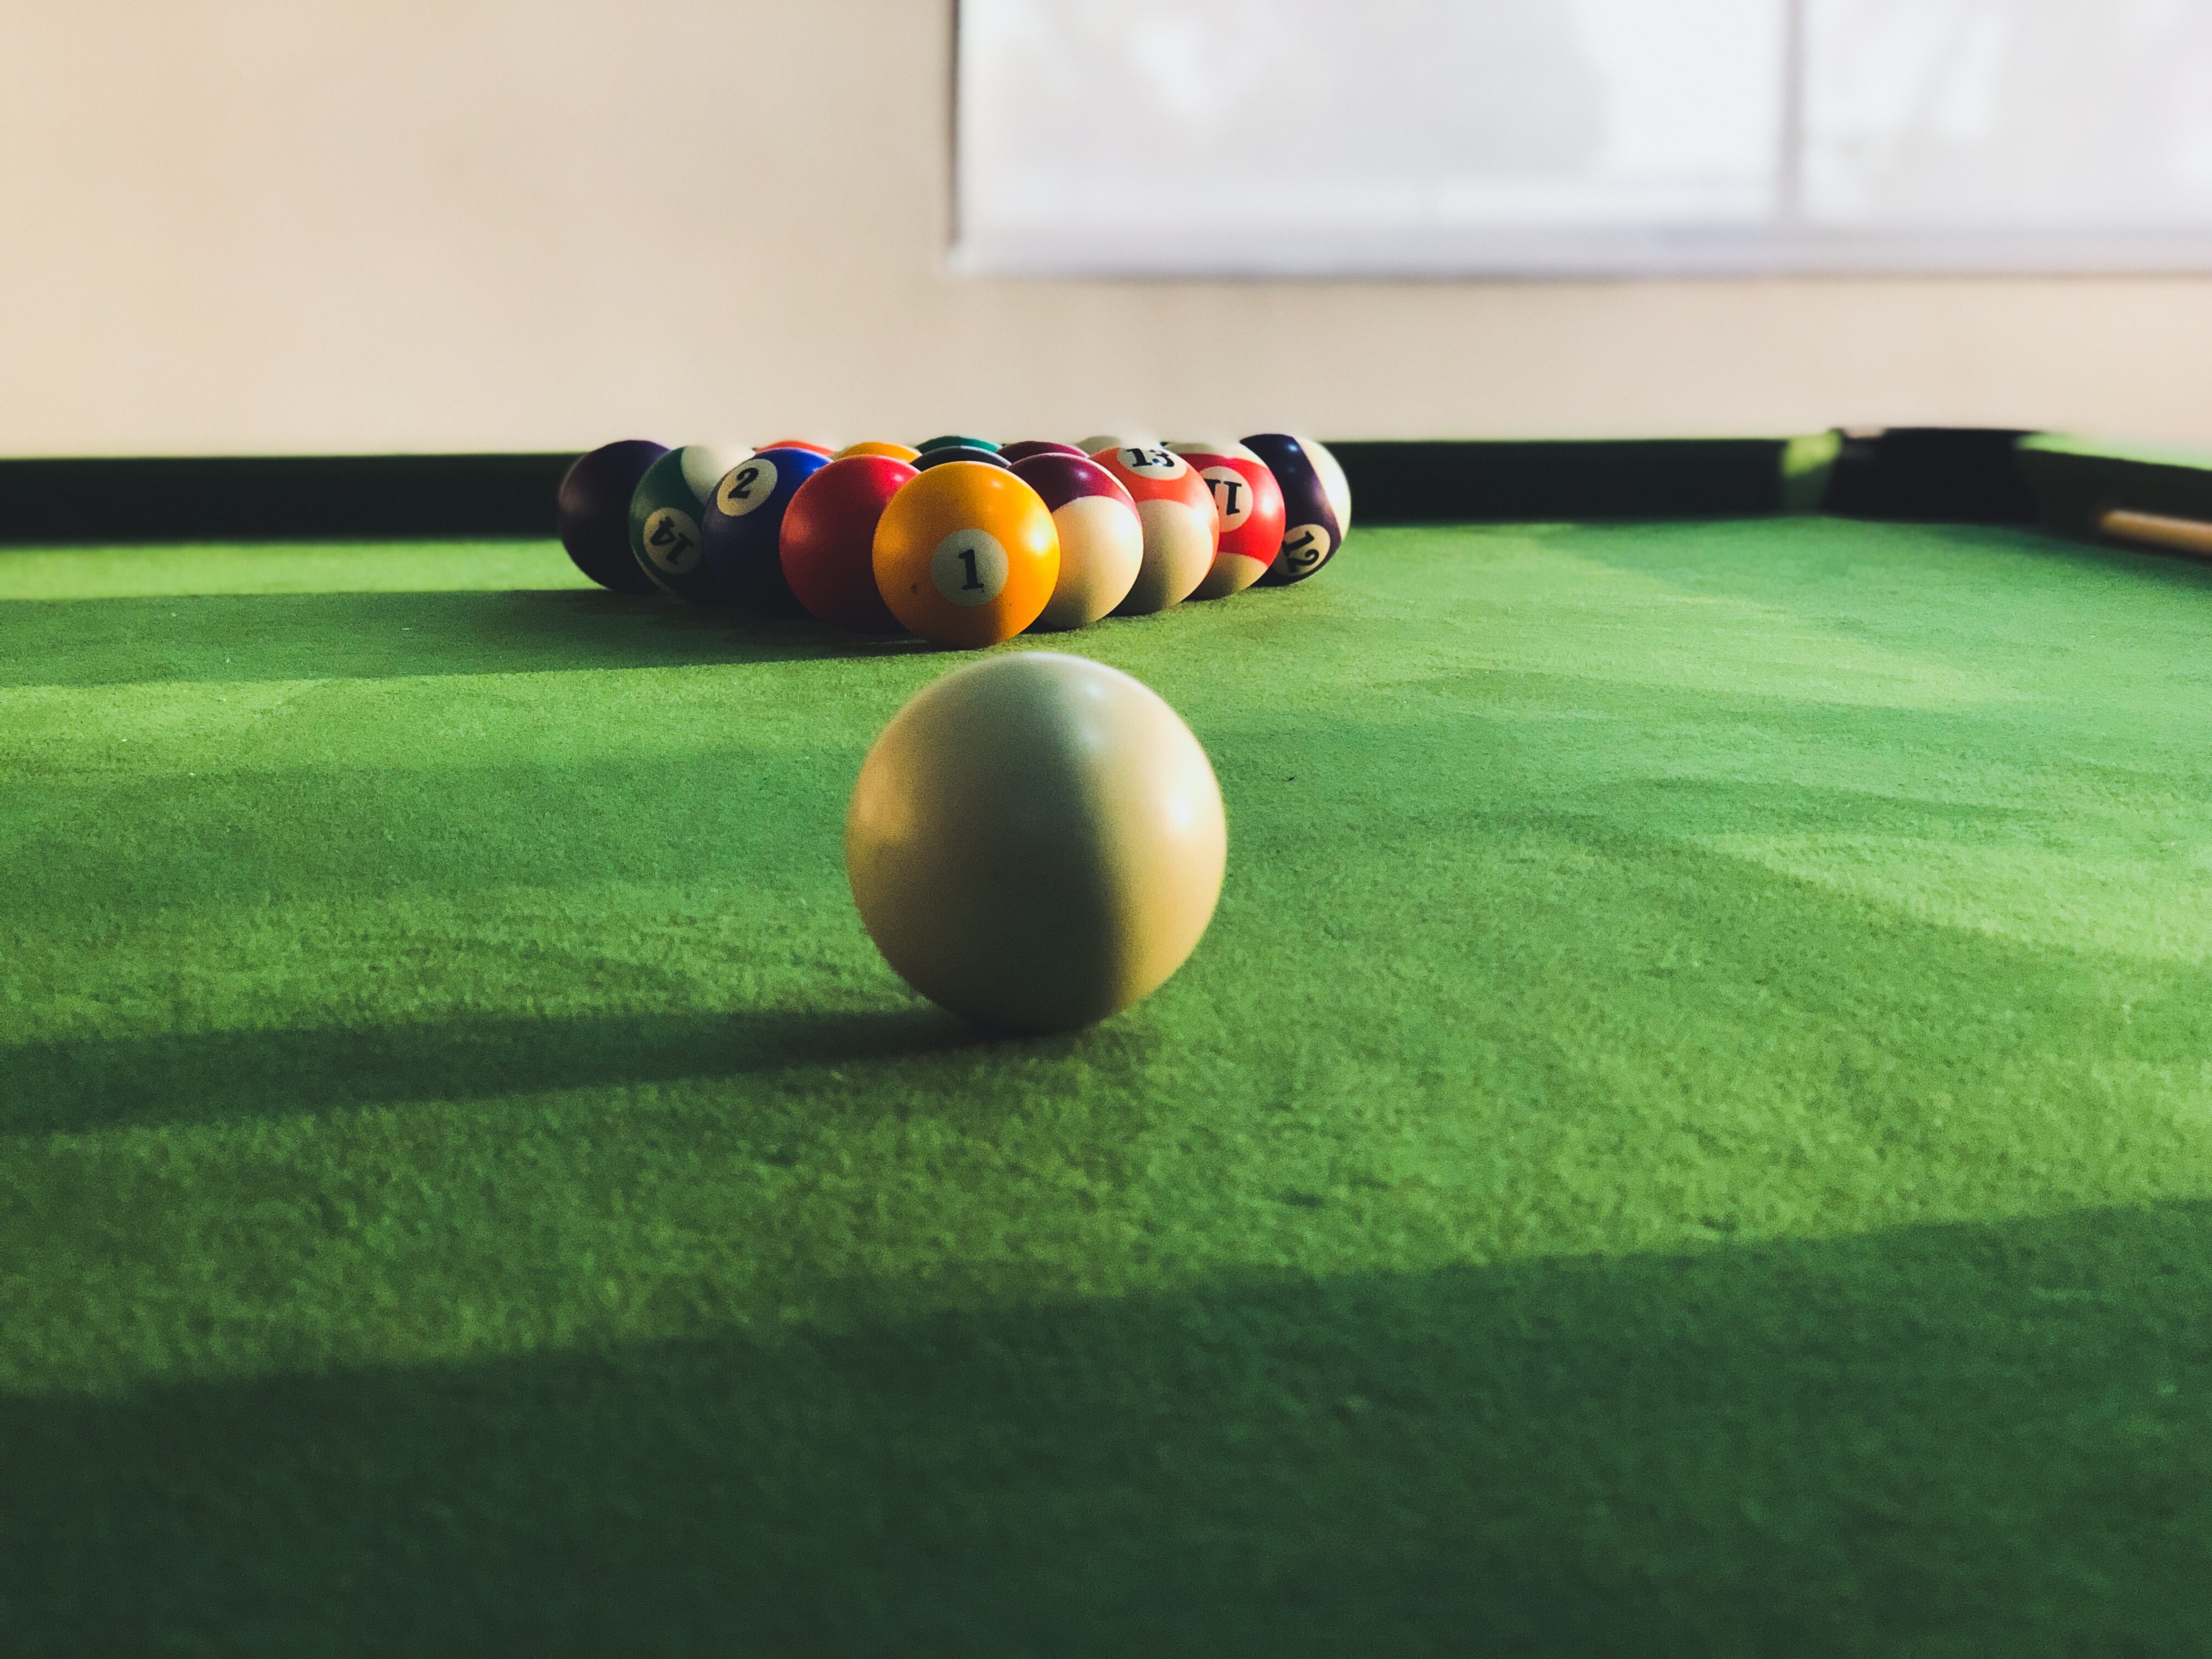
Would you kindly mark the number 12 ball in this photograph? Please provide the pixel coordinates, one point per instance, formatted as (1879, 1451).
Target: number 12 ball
(1036, 841)
(1317, 503)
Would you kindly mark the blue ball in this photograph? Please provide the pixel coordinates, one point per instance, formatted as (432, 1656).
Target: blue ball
(744, 527)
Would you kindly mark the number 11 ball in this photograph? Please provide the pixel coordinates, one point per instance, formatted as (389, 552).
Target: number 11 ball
(1251, 507)
(1037, 841)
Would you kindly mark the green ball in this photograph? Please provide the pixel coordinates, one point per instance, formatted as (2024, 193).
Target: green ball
(950, 441)
(668, 515)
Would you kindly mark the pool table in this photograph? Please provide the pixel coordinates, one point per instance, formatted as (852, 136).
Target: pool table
(1691, 1130)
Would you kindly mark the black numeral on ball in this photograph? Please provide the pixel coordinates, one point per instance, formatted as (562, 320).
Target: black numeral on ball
(1228, 492)
(968, 558)
(1305, 550)
(741, 487)
(671, 543)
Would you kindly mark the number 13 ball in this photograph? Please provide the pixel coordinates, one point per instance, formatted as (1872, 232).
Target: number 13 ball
(1182, 527)
(1037, 841)
(966, 555)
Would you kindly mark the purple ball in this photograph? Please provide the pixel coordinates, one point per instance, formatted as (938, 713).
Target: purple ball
(1061, 478)
(592, 504)
(1311, 534)
(1015, 454)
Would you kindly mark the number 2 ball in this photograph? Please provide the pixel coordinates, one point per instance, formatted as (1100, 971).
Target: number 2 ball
(966, 555)
(744, 527)
(829, 541)
(1036, 841)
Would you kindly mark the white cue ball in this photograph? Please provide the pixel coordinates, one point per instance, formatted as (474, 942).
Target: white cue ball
(1037, 841)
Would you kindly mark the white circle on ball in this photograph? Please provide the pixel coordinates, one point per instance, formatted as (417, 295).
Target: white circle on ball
(1153, 461)
(1304, 546)
(672, 540)
(969, 567)
(1232, 494)
(747, 485)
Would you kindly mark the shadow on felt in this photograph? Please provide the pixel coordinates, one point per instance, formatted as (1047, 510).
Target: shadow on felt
(1995, 1437)
(88, 1083)
(284, 637)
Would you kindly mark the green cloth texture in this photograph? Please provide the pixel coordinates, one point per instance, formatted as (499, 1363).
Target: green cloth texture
(1691, 1130)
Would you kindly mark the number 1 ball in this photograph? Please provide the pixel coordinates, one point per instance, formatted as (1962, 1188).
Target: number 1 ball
(829, 541)
(666, 518)
(1037, 841)
(744, 527)
(966, 555)
(593, 505)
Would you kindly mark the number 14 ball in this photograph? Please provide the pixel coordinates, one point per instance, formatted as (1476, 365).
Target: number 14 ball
(1036, 843)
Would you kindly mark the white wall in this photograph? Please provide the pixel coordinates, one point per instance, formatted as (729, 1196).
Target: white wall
(251, 226)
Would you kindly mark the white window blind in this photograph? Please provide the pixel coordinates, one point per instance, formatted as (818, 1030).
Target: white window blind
(1439, 136)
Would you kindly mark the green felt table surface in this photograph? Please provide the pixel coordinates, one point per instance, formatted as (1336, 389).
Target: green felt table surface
(1691, 1130)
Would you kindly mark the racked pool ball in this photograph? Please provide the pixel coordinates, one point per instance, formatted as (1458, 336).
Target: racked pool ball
(829, 541)
(823, 450)
(1015, 454)
(1036, 841)
(667, 518)
(966, 555)
(1181, 528)
(1317, 503)
(1250, 503)
(1129, 440)
(1102, 540)
(593, 505)
(954, 440)
(944, 454)
(896, 451)
(744, 527)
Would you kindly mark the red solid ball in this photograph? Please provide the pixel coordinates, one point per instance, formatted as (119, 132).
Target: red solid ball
(829, 541)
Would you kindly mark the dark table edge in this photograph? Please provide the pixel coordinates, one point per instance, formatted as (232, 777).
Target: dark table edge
(1966, 475)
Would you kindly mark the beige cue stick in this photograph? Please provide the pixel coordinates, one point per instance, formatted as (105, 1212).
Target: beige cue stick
(2157, 530)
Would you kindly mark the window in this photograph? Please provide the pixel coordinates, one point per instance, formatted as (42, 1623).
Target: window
(1439, 136)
